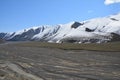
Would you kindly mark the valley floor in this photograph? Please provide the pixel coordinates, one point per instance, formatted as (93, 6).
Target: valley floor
(38, 63)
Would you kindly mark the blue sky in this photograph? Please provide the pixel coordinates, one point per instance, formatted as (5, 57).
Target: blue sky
(20, 14)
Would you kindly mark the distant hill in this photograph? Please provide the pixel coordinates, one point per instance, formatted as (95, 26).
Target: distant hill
(98, 30)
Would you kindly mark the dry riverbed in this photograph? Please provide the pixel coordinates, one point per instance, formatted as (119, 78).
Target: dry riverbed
(37, 63)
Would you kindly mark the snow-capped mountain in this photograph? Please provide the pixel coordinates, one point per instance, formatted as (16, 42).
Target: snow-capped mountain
(95, 30)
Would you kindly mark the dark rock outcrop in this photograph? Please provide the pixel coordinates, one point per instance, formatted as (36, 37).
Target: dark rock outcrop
(89, 30)
(115, 37)
(76, 24)
(114, 19)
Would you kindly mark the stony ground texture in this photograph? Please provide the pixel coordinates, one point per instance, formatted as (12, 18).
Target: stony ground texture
(35, 63)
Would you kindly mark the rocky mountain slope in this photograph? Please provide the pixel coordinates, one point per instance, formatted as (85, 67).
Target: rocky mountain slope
(96, 30)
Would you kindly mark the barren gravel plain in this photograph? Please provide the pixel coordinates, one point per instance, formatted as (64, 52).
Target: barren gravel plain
(40, 63)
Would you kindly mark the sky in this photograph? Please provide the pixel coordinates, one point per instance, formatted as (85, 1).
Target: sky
(16, 15)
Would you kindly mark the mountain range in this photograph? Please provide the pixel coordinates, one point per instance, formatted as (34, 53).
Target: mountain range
(97, 30)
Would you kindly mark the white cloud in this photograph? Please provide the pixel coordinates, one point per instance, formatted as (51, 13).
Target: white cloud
(107, 2)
